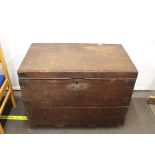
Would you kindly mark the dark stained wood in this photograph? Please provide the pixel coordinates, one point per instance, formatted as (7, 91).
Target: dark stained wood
(76, 61)
(94, 92)
(76, 84)
(72, 116)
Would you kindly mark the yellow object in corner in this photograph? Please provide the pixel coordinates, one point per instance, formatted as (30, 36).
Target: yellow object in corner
(6, 84)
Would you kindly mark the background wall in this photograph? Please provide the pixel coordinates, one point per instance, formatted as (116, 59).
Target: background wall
(129, 22)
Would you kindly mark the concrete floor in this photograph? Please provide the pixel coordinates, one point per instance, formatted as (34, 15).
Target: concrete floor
(139, 119)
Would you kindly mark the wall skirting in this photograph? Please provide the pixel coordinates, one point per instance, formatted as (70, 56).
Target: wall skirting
(16, 88)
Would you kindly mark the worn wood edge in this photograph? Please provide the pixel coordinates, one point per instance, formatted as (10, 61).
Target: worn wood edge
(119, 120)
(1, 129)
(75, 74)
(151, 100)
(69, 107)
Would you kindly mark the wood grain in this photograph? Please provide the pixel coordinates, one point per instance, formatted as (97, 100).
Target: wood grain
(77, 61)
(72, 116)
(94, 92)
(76, 84)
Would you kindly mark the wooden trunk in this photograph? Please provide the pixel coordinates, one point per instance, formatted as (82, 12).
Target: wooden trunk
(76, 84)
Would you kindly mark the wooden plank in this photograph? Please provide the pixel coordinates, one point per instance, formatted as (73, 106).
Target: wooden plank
(7, 76)
(1, 129)
(3, 88)
(151, 100)
(76, 61)
(72, 116)
(5, 101)
(95, 92)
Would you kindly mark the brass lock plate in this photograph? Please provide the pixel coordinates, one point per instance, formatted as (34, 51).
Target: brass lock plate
(77, 85)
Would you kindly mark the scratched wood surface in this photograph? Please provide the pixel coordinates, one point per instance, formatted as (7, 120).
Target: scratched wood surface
(76, 60)
(76, 84)
(94, 93)
(78, 116)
